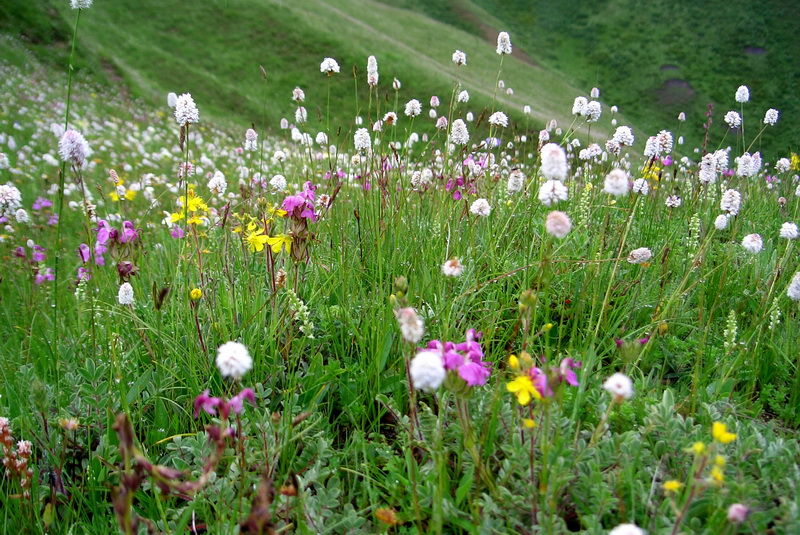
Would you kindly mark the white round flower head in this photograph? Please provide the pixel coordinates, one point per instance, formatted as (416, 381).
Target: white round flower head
(441, 123)
(722, 158)
(396, 85)
(298, 95)
(503, 43)
(498, 118)
(526, 109)
(458, 133)
(434, 101)
(592, 111)
(463, 97)
(73, 148)
(664, 142)
(412, 327)
(783, 165)
(413, 108)
(742, 94)
(594, 93)
(627, 529)
(721, 222)
(469, 116)
(10, 199)
(80, 4)
(233, 360)
(284, 123)
(651, 147)
(641, 186)
(544, 137)
(640, 255)
(733, 119)
(731, 202)
(616, 183)
(125, 294)
(453, 267)
(390, 118)
(771, 116)
(372, 71)
(623, 135)
(22, 216)
(753, 243)
(682, 116)
(708, 169)
(218, 184)
(459, 58)
(329, 66)
(300, 115)
(788, 231)
(185, 110)
(554, 162)
(480, 207)
(552, 192)
(673, 201)
(250, 140)
(172, 99)
(278, 182)
(621, 387)
(321, 138)
(793, 290)
(579, 105)
(427, 371)
(361, 139)
(558, 224)
(516, 180)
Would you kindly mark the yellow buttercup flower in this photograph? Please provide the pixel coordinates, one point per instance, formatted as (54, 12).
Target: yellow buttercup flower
(672, 485)
(719, 460)
(513, 362)
(698, 448)
(523, 388)
(527, 422)
(256, 240)
(196, 294)
(720, 433)
(717, 474)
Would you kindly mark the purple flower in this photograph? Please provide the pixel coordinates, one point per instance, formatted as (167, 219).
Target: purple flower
(206, 403)
(129, 233)
(44, 275)
(84, 253)
(457, 195)
(103, 232)
(84, 274)
(41, 203)
(301, 205)
(539, 380)
(38, 253)
(19, 252)
(566, 372)
(177, 232)
(237, 402)
(465, 358)
(666, 161)
(52, 220)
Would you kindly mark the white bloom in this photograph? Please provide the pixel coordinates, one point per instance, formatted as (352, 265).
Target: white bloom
(664, 142)
(731, 202)
(552, 192)
(516, 180)
(616, 183)
(503, 43)
(771, 116)
(250, 140)
(480, 207)
(427, 370)
(441, 123)
(469, 116)
(526, 109)
(73, 148)
(753, 243)
(186, 110)
(641, 186)
(733, 119)
(22, 216)
(742, 94)
(458, 133)
(673, 201)
(554, 162)
(708, 169)
(640, 255)
(592, 111)
(594, 93)
(329, 66)
(793, 290)
(681, 116)
(233, 360)
(721, 156)
(125, 294)
(434, 101)
(579, 105)
(298, 95)
(544, 136)
(278, 182)
(396, 85)
(627, 529)
(80, 4)
(463, 97)
(372, 71)
(10, 199)
(498, 118)
(453, 268)
(621, 387)
(623, 135)
(321, 138)
(361, 139)
(300, 115)
(558, 224)
(413, 108)
(783, 165)
(172, 99)
(412, 327)
(218, 184)
(721, 222)
(789, 231)
(459, 58)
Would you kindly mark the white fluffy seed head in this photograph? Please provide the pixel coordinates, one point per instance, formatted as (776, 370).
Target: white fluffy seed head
(554, 162)
(619, 385)
(640, 255)
(753, 243)
(558, 224)
(427, 371)
(616, 183)
(233, 360)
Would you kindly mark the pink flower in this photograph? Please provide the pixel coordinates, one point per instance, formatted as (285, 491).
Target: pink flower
(237, 402)
(566, 371)
(129, 233)
(177, 232)
(84, 253)
(206, 403)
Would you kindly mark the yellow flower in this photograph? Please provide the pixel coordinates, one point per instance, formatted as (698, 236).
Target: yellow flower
(720, 433)
(672, 485)
(281, 240)
(651, 172)
(548, 326)
(513, 362)
(699, 448)
(194, 220)
(130, 194)
(275, 211)
(719, 460)
(196, 294)
(717, 474)
(527, 422)
(523, 388)
(795, 162)
(177, 216)
(256, 240)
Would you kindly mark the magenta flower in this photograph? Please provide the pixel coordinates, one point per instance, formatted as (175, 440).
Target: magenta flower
(129, 233)
(177, 232)
(210, 405)
(206, 403)
(301, 205)
(539, 380)
(84, 253)
(465, 358)
(38, 253)
(41, 203)
(237, 402)
(566, 372)
(52, 220)
(19, 252)
(84, 274)
(44, 275)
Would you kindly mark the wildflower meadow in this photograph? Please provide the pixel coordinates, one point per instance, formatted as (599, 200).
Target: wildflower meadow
(394, 312)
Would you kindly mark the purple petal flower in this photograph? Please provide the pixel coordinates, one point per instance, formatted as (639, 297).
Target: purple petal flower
(566, 370)
(206, 403)
(129, 233)
(177, 232)
(539, 379)
(84, 253)
(20, 252)
(474, 373)
(457, 195)
(237, 402)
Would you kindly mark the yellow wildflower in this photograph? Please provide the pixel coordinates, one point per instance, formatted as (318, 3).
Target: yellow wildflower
(672, 485)
(717, 474)
(527, 422)
(280, 241)
(196, 294)
(719, 460)
(699, 448)
(720, 433)
(513, 362)
(523, 388)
